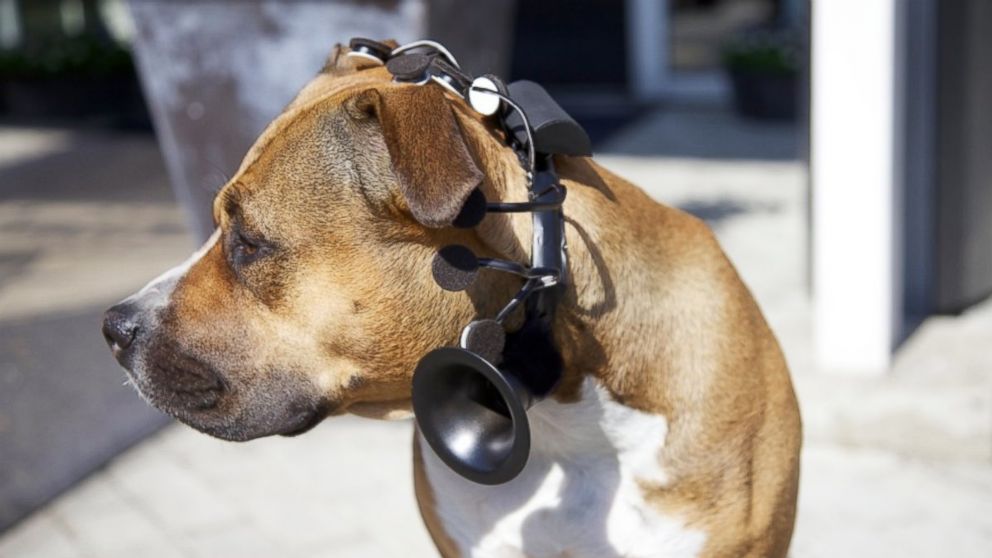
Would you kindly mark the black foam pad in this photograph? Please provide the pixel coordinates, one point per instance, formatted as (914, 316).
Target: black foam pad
(554, 130)
(455, 267)
(472, 212)
(410, 66)
(485, 338)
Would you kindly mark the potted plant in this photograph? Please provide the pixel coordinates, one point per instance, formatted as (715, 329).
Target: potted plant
(75, 77)
(764, 67)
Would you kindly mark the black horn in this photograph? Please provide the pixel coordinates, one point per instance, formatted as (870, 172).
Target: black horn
(473, 415)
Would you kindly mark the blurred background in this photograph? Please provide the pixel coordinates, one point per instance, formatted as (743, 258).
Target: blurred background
(840, 150)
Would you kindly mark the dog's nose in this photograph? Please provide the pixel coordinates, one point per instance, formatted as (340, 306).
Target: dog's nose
(120, 327)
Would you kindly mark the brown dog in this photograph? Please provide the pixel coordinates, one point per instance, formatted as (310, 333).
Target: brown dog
(675, 431)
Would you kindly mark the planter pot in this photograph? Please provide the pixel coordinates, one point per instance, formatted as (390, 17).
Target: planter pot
(769, 96)
(76, 97)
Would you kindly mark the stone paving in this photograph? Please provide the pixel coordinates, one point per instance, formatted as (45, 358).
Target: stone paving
(892, 466)
(84, 218)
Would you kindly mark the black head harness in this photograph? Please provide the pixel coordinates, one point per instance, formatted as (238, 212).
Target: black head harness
(471, 401)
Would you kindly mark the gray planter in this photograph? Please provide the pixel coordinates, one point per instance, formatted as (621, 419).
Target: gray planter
(767, 96)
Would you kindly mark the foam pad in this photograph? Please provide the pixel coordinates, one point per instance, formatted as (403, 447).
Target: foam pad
(485, 338)
(554, 130)
(455, 267)
(409, 66)
(472, 212)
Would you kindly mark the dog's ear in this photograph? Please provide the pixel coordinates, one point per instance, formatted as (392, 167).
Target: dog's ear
(431, 162)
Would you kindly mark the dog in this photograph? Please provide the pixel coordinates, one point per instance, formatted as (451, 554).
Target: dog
(674, 430)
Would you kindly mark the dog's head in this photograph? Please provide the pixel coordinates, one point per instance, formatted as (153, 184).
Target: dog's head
(314, 294)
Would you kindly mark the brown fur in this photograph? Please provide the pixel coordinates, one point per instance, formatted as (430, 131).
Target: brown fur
(339, 305)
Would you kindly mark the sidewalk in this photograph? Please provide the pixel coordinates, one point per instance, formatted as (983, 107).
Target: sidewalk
(894, 466)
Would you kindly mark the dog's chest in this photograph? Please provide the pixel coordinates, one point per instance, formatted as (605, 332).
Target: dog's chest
(580, 493)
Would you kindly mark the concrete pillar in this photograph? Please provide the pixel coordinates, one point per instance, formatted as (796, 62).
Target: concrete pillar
(647, 48)
(216, 72)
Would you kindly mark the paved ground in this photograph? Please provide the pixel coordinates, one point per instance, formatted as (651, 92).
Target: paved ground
(895, 466)
(84, 217)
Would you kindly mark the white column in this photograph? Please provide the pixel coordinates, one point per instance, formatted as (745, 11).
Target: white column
(647, 47)
(855, 159)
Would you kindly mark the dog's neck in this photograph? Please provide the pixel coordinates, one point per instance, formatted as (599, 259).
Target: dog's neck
(592, 291)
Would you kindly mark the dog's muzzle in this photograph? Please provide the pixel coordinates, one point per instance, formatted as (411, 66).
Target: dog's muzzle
(173, 378)
(179, 380)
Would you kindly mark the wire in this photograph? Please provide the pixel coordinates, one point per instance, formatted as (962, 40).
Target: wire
(530, 286)
(531, 158)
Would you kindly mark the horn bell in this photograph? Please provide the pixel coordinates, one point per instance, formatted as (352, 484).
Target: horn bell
(473, 415)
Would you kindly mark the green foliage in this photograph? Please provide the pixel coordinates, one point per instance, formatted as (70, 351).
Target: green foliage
(764, 52)
(81, 57)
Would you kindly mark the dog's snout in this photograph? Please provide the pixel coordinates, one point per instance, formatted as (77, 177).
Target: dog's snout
(120, 327)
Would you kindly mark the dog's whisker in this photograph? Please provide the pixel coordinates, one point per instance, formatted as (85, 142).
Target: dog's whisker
(224, 176)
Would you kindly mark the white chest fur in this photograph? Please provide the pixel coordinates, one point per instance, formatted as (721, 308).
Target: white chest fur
(579, 494)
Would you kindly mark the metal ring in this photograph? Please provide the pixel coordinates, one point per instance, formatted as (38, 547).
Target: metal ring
(444, 83)
(365, 54)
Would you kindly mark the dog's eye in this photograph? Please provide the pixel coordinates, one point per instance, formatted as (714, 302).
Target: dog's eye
(244, 249)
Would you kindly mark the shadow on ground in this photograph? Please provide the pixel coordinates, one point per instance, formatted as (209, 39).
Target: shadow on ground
(85, 216)
(716, 211)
